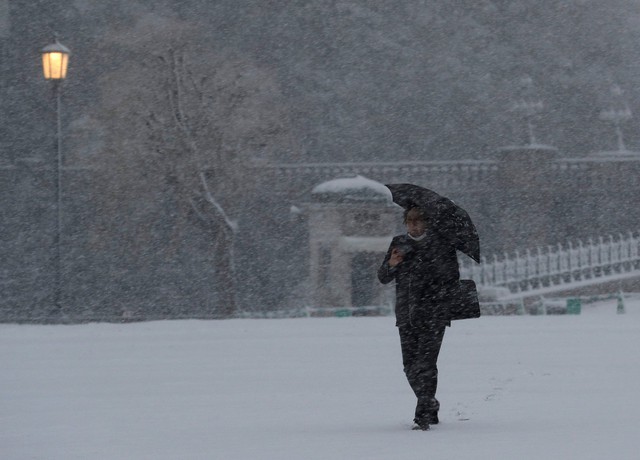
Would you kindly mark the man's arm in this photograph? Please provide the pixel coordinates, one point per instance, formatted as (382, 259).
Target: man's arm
(389, 267)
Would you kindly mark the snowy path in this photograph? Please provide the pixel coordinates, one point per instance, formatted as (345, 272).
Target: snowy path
(562, 387)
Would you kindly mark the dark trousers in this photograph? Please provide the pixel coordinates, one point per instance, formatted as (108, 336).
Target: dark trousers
(420, 349)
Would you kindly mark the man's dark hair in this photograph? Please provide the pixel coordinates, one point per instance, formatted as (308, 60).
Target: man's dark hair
(421, 212)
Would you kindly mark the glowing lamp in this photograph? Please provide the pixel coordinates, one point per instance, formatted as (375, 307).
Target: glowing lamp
(55, 59)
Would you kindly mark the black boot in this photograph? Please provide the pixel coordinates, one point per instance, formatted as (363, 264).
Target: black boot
(420, 425)
(427, 411)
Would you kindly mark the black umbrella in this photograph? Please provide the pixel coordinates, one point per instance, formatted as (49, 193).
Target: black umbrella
(449, 219)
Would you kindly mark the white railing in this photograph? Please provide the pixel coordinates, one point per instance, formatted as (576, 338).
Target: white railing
(556, 265)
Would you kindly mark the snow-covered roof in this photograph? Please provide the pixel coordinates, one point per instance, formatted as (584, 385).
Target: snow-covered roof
(357, 188)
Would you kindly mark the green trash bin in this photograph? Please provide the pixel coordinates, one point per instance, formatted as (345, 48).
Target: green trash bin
(574, 306)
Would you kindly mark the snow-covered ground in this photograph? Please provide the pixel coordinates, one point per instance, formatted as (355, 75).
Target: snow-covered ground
(531, 387)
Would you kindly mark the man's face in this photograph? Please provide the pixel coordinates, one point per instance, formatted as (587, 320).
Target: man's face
(416, 224)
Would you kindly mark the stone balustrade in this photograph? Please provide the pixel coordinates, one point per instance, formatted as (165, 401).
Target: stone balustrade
(557, 265)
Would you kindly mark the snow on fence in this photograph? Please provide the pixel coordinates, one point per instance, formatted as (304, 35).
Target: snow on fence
(557, 265)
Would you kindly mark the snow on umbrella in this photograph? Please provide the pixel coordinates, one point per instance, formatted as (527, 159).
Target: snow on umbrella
(449, 219)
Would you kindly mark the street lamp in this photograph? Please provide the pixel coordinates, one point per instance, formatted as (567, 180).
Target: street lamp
(618, 113)
(529, 105)
(55, 58)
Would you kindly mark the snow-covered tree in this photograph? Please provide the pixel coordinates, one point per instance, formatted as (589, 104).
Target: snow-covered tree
(185, 116)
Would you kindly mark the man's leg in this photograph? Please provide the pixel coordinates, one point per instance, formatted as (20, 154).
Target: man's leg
(423, 347)
(409, 344)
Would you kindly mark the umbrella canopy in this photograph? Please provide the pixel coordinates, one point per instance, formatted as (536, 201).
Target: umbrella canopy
(448, 219)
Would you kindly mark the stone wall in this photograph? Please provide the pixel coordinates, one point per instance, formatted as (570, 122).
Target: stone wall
(524, 198)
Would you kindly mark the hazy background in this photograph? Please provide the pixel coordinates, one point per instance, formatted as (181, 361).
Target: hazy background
(160, 91)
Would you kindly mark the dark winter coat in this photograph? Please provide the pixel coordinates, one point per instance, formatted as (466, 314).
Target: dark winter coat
(425, 279)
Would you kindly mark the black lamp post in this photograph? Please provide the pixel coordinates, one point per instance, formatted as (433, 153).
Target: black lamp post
(618, 113)
(529, 105)
(55, 58)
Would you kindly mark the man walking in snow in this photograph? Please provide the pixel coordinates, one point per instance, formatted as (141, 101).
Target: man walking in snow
(425, 268)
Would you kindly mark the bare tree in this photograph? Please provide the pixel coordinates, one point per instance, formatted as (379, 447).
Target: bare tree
(191, 118)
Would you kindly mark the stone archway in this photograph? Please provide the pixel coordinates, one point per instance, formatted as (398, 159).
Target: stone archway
(351, 223)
